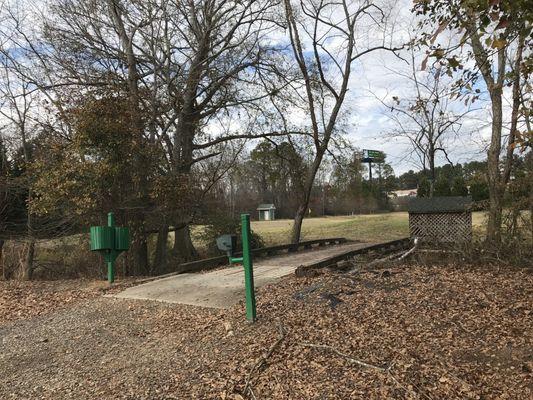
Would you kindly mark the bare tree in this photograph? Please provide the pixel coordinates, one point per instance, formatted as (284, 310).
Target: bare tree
(497, 35)
(325, 68)
(4, 198)
(428, 118)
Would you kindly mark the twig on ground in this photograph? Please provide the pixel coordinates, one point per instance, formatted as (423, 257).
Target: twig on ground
(410, 251)
(261, 362)
(351, 360)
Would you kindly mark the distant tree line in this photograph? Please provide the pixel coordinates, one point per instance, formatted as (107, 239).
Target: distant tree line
(269, 174)
(272, 172)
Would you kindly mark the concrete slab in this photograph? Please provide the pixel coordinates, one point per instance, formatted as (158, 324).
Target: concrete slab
(224, 287)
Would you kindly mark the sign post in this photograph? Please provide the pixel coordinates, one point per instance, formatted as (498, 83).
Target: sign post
(227, 243)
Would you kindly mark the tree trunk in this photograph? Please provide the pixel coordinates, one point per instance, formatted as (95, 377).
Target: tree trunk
(298, 220)
(494, 86)
(139, 247)
(140, 165)
(515, 113)
(493, 170)
(431, 171)
(531, 207)
(27, 264)
(184, 249)
(183, 149)
(304, 204)
(2, 259)
(160, 259)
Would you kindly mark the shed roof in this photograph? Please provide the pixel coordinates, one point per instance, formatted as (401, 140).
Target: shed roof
(448, 204)
(266, 207)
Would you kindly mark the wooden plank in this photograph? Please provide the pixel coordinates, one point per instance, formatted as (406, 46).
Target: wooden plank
(214, 262)
(303, 270)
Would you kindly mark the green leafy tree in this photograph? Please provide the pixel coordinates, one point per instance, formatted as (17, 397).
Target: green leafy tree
(93, 171)
(408, 180)
(459, 187)
(424, 187)
(442, 186)
(479, 190)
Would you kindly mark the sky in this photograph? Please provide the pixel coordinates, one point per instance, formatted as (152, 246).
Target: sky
(376, 76)
(370, 122)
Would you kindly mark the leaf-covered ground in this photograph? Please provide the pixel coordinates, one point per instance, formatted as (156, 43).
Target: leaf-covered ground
(22, 300)
(425, 333)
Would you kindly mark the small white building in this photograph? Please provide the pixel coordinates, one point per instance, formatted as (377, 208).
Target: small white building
(403, 193)
(267, 212)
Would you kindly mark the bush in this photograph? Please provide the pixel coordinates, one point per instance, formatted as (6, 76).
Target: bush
(62, 258)
(68, 258)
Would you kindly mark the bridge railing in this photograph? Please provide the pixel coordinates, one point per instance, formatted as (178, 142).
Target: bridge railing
(213, 262)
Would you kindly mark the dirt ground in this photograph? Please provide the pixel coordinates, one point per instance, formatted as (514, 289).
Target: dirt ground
(422, 332)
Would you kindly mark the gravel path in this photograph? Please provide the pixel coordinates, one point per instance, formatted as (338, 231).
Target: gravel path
(106, 348)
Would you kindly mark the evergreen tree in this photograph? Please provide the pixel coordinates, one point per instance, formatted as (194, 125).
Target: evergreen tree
(442, 186)
(479, 190)
(423, 187)
(459, 187)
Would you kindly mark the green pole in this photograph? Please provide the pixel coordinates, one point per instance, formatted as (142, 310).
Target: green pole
(248, 268)
(112, 255)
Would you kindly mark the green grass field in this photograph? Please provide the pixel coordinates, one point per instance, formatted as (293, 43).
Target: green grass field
(370, 228)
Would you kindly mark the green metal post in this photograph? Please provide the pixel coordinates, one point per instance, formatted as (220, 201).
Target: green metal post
(248, 268)
(112, 253)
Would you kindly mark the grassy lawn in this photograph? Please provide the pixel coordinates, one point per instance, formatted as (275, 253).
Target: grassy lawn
(369, 228)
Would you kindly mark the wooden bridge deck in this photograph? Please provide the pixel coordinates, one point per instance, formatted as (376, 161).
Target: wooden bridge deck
(222, 288)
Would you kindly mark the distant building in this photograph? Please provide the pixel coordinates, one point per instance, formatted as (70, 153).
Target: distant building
(399, 199)
(267, 212)
(403, 193)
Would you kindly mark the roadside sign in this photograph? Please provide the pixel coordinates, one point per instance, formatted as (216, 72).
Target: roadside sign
(373, 156)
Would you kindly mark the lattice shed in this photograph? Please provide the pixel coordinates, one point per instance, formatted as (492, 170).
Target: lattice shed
(441, 219)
